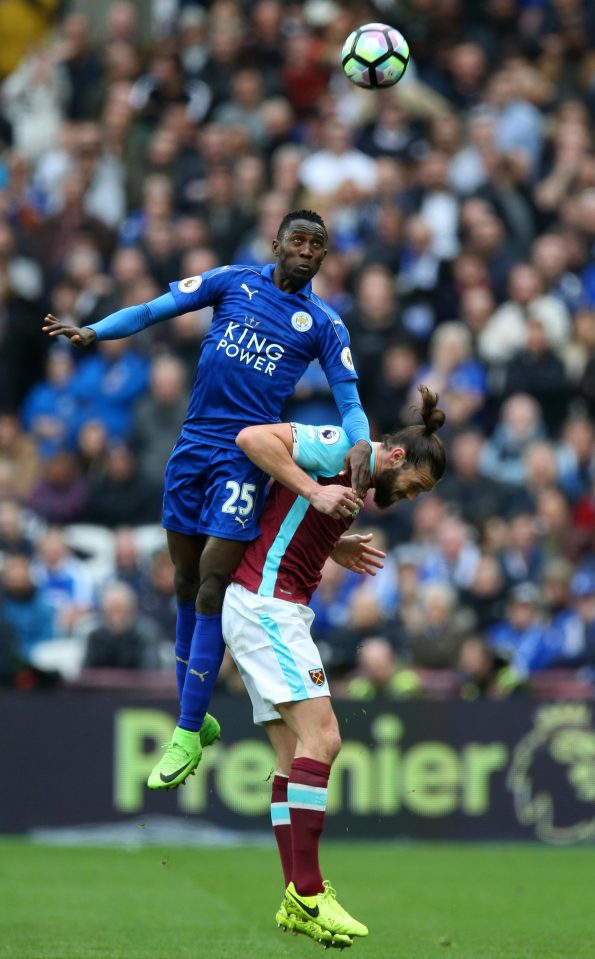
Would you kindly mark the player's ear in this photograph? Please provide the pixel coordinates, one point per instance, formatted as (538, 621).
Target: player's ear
(397, 456)
(276, 247)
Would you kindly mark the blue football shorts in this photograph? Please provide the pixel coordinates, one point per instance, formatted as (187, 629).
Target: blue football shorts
(212, 491)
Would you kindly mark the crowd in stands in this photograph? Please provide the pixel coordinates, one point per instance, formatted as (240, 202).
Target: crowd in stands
(461, 210)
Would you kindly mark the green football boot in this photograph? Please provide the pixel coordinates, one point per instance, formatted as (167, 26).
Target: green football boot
(327, 940)
(182, 755)
(324, 910)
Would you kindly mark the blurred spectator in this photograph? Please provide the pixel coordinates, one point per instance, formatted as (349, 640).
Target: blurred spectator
(520, 423)
(63, 579)
(23, 607)
(34, 98)
(440, 627)
(523, 639)
(14, 535)
(478, 667)
(418, 277)
(122, 639)
(506, 331)
(387, 403)
(60, 496)
(326, 170)
(576, 457)
(550, 256)
(245, 106)
(476, 497)
(519, 126)
(390, 133)
(554, 519)
(557, 575)
(57, 235)
(22, 346)
(91, 448)
(455, 556)
(485, 593)
(157, 600)
(507, 192)
(120, 495)
(83, 67)
(437, 205)
(379, 673)
(20, 450)
(158, 417)
(330, 604)
(372, 320)
(49, 407)
(106, 386)
(129, 566)
(536, 369)
(574, 629)
(467, 169)
(304, 79)
(454, 374)
(522, 558)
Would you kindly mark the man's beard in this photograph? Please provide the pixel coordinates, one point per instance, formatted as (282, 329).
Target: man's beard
(384, 484)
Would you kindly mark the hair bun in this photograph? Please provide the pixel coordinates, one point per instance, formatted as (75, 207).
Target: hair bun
(433, 417)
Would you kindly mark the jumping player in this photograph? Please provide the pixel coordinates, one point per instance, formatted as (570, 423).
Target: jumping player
(266, 624)
(267, 327)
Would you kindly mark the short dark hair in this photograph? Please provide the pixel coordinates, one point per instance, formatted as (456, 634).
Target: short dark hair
(423, 449)
(310, 215)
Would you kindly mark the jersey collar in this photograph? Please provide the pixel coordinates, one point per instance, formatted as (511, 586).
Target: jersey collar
(268, 271)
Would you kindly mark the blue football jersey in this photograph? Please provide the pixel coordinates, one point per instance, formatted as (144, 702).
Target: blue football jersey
(259, 344)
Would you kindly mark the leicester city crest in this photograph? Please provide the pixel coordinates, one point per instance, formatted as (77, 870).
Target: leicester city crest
(301, 321)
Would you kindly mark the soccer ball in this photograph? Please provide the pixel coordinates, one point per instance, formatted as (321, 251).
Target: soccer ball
(375, 55)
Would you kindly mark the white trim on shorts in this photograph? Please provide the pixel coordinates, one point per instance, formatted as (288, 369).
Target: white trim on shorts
(270, 642)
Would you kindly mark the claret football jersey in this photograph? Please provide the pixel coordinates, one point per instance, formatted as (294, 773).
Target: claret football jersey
(260, 342)
(296, 540)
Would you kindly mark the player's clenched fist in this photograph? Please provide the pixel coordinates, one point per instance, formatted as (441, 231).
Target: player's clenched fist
(79, 337)
(340, 502)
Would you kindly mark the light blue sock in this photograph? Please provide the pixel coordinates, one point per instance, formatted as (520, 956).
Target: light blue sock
(206, 654)
(185, 624)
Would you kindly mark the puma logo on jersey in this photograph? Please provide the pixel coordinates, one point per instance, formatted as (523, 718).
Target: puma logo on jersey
(243, 522)
(249, 292)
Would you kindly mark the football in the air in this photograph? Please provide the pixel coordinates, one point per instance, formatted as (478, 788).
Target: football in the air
(375, 55)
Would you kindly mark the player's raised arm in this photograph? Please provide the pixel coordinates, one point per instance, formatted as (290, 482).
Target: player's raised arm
(117, 325)
(270, 447)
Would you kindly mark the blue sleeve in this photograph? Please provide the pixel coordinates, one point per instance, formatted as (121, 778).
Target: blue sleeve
(132, 319)
(332, 343)
(353, 419)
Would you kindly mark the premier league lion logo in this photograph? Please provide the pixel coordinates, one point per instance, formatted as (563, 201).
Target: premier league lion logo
(552, 775)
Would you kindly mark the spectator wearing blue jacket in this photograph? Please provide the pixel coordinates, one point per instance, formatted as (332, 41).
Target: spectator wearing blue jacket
(23, 607)
(524, 638)
(574, 628)
(50, 406)
(107, 385)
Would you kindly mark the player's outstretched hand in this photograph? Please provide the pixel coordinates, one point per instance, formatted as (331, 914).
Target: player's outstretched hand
(340, 502)
(354, 552)
(79, 337)
(357, 462)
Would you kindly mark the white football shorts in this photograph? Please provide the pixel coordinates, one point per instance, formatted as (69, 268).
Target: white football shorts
(270, 642)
